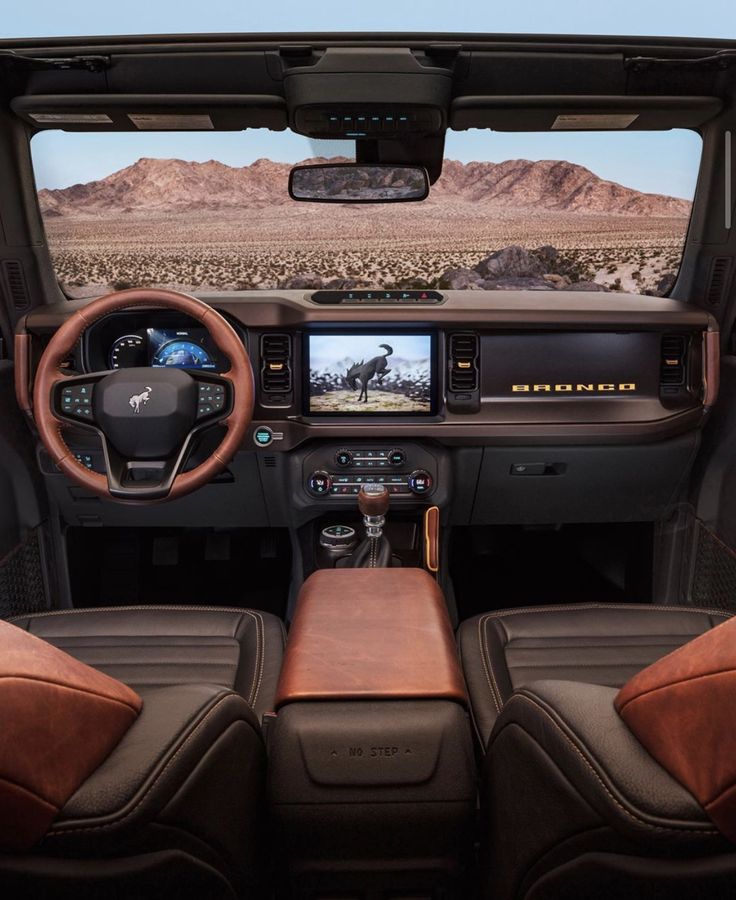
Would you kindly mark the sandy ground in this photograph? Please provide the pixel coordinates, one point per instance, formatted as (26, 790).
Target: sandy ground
(262, 248)
(378, 401)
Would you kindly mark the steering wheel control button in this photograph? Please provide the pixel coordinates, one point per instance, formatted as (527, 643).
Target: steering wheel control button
(263, 436)
(319, 483)
(210, 399)
(420, 482)
(396, 457)
(76, 400)
(343, 458)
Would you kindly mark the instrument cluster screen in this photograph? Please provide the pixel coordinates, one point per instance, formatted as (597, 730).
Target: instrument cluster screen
(181, 348)
(377, 373)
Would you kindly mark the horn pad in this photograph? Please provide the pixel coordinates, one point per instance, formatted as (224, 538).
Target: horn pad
(146, 413)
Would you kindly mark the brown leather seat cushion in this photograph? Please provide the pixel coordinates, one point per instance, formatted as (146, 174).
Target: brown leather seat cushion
(60, 720)
(682, 708)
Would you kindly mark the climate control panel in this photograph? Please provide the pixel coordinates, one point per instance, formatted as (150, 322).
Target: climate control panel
(337, 472)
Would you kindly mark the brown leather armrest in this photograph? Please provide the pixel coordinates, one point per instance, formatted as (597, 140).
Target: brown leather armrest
(370, 634)
(681, 708)
(60, 720)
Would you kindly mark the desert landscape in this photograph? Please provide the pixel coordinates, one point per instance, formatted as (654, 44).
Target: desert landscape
(486, 226)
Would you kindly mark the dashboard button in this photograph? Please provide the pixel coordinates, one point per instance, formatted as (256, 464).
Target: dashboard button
(343, 457)
(397, 457)
(319, 483)
(263, 436)
(420, 482)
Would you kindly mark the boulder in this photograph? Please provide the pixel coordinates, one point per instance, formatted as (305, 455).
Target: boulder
(513, 261)
(558, 282)
(511, 283)
(587, 286)
(460, 280)
(303, 282)
(665, 284)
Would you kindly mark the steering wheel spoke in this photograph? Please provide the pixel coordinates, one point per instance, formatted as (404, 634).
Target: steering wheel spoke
(142, 479)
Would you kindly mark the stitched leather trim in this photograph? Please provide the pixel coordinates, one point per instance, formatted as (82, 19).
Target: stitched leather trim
(493, 688)
(525, 696)
(259, 664)
(80, 826)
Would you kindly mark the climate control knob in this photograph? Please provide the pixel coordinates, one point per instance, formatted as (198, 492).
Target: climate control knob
(396, 457)
(420, 482)
(319, 483)
(343, 457)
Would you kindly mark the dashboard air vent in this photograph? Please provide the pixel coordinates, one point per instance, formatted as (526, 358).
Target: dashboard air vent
(275, 363)
(463, 372)
(463, 362)
(15, 281)
(672, 366)
(718, 283)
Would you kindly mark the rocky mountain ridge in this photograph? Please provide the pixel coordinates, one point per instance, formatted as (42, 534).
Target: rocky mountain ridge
(174, 186)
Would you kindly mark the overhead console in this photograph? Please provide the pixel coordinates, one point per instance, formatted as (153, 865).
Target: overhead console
(343, 93)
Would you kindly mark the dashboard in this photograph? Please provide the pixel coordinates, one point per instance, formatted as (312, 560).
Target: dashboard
(510, 407)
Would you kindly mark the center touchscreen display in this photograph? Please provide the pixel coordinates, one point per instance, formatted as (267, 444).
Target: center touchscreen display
(381, 373)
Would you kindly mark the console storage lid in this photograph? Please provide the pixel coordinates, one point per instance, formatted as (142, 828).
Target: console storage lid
(370, 634)
(371, 776)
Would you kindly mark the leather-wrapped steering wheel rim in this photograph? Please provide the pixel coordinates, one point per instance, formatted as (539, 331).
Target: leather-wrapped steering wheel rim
(49, 377)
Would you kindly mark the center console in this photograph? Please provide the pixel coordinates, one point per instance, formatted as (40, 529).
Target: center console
(371, 765)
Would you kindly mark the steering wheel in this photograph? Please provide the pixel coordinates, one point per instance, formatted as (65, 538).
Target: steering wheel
(146, 418)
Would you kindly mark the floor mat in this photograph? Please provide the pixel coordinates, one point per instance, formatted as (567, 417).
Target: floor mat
(499, 567)
(245, 567)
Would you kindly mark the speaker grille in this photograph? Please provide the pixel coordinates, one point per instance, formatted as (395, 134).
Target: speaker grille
(15, 283)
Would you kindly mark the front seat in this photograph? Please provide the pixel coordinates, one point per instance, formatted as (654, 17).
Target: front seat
(572, 804)
(596, 643)
(177, 806)
(148, 647)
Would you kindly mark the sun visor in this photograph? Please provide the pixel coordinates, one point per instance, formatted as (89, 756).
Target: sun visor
(152, 112)
(581, 113)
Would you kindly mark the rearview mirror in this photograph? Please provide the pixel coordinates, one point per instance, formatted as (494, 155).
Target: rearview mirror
(358, 183)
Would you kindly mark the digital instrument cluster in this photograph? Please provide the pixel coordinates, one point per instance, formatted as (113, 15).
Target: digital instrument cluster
(181, 348)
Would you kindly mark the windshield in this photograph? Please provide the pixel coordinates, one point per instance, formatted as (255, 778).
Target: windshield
(211, 212)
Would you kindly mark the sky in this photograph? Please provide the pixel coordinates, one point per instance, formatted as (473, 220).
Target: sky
(706, 18)
(325, 350)
(635, 160)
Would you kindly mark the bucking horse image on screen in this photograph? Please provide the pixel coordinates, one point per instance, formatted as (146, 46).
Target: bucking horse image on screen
(364, 372)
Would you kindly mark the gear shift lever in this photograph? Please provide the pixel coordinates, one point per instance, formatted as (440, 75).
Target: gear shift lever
(375, 551)
(373, 502)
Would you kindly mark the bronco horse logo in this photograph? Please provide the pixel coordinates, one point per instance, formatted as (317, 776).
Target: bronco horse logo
(138, 400)
(363, 372)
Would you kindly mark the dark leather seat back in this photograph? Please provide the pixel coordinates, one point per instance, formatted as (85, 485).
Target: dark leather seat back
(177, 808)
(572, 804)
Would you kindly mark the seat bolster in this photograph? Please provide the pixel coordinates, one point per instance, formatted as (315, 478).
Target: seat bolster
(262, 638)
(158, 646)
(578, 728)
(481, 642)
(194, 765)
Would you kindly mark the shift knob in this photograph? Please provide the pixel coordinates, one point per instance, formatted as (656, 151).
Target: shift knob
(373, 500)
